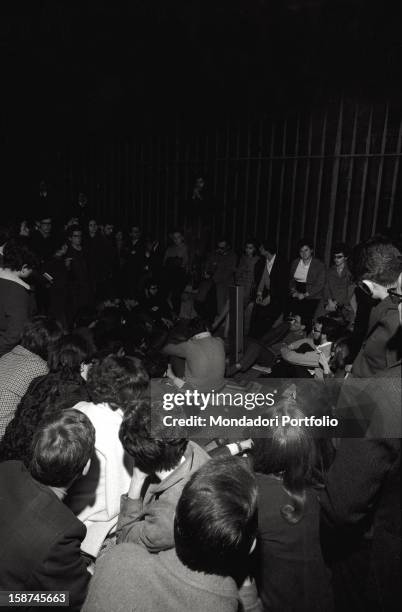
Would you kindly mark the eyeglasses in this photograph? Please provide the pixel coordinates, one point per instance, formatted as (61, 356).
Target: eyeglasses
(339, 256)
(396, 297)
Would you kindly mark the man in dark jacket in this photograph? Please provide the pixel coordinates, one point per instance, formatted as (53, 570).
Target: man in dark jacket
(16, 298)
(39, 536)
(361, 503)
(381, 264)
(271, 274)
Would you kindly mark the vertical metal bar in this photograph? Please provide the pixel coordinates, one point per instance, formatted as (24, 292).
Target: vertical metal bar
(364, 179)
(271, 155)
(380, 172)
(320, 174)
(334, 184)
(395, 176)
(176, 174)
(293, 193)
(246, 185)
(258, 179)
(225, 178)
(280, 207)
(141, 184)
(307, 177)
(166, 229)
(350, 175)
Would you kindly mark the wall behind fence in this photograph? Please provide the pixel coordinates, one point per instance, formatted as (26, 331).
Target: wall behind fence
(332, 175)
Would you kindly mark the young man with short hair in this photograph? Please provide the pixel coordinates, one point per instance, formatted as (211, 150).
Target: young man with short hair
(163, 464)
(39, 536)
(215, 528)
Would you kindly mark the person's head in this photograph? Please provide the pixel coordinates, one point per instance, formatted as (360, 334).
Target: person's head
(69, 353)
(250, 248)
(326, 329)
(196, 326)
(62, 448)
(6, 232)
(288, 453)
(152, 288)
(19, 258)
(153, 447)
(24, 229)
(82, 199)
(108, 229)
(39, 334)
(342, 354)
(45, 226)
(117, 381)
(216, 518)
(135, 232)
(92, 227)
(267, 248)
(177, 238)
(306, 249)
(75, 236)
(222, 245)
(340, 254)
(379, 267)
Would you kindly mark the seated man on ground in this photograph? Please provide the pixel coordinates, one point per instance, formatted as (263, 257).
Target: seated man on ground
(163, 463)
(306, 352)
(39, 536)
(214, 532)
(204, 358)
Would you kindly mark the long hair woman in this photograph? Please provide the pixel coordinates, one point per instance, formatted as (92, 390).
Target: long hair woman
(291, 572)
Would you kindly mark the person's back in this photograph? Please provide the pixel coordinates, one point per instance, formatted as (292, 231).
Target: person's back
(290, 554)
(215, 525)
(35, 529)
(156, 583)
(291, 571)
(39, 536)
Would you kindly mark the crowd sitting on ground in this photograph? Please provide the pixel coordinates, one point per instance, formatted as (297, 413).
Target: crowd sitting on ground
(98, 499)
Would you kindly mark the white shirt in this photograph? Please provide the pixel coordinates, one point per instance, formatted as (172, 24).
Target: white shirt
(270, 264)
(301, 271)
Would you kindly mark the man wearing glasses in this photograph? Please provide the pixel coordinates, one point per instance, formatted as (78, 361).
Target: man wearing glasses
(379, 268)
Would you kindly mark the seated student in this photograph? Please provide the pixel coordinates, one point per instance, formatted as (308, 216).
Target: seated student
(291, 571)
(23, 363)
(204, 358)
(114, 383)
(305, 352)
(214, 532)
(63, 385)
(154, 306)
(146, 516)
(16, 298)
(39, 536)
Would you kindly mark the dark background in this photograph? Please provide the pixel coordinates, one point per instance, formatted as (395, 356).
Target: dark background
(88, 74)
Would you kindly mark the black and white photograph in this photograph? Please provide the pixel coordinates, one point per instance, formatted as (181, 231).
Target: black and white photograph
(201, 305)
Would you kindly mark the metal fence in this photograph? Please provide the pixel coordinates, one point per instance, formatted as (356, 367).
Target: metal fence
(331, 174)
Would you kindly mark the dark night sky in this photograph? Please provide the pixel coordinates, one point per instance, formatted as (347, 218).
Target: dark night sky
(72, 68)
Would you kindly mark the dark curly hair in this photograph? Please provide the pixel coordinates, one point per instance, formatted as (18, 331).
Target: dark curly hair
(153, 447)
(39, 334)
(117, 381)
(68, 353)
(46, 395)
(17, 254)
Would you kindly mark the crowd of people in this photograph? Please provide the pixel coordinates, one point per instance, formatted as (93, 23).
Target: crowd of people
(99, 500)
